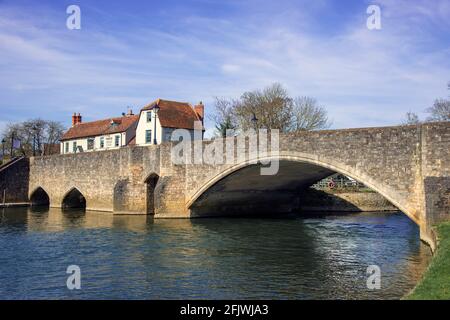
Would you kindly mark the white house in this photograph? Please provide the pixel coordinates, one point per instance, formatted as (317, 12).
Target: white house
(104, 134)
(160, 117)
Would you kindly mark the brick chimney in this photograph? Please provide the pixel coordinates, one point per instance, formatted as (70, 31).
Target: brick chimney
(200, 110)
(74, 119)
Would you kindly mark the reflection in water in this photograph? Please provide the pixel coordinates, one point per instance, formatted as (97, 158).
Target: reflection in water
(316, 257)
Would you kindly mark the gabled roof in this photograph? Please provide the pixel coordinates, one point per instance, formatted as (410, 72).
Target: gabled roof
(100, 127)
(174, 114)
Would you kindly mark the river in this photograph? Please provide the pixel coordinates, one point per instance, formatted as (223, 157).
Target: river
(136, 257)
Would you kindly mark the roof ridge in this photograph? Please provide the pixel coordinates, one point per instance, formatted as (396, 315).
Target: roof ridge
(165, 100)
(159, 100)
(107, 119)
(100, 127)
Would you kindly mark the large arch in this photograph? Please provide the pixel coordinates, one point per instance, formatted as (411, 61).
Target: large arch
(73, 199)
(330, 167)
(151, 182)
(39, 197)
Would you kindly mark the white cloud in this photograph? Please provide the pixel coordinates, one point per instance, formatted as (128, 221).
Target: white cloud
(230, 68)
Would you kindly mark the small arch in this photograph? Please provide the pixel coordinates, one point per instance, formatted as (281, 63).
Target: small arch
(74, 199)
(151, 182)
(39, 197)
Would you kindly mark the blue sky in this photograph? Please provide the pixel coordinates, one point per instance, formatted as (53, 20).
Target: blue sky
(129, 53)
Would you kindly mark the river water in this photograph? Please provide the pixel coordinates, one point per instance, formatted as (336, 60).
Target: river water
(136, 257)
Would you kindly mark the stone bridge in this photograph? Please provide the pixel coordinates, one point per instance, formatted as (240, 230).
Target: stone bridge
(408, 165)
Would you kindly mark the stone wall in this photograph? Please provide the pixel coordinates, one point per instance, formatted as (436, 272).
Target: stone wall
(317, 200)
(436, 171)
(385, 159)
(112, 180)
(14, 181)
(437, 199)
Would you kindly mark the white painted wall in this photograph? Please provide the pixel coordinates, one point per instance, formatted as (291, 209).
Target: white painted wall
(109, 142)
(144, 125)
(163, 134)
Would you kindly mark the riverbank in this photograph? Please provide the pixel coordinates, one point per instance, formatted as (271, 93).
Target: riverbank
(435, 284)
(343, 201)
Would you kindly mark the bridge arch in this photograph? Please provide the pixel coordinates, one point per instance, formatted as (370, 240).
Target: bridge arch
(312, 160)
(151, 182)
(39, 197)
(73, 199)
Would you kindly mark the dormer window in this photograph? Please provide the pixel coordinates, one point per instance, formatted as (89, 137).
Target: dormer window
(149, 116)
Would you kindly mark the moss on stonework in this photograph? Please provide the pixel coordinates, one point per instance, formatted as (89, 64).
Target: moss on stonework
(435, 284)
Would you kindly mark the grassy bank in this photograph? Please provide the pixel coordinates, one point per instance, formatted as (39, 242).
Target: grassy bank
(435, 283)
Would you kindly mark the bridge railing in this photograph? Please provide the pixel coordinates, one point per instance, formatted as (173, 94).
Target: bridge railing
(339, 184)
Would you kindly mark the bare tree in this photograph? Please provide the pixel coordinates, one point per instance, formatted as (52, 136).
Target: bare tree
(440, 111)
(224, 116)
(272, 107)
(411, 118)
(33, 135)
(308, 115)
(54, 132)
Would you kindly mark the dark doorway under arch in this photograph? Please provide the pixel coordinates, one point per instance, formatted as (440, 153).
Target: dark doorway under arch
(74, 199)
(39, 198)
(151, 183)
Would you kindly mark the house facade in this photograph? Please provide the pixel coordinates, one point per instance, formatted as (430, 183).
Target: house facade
(99, 135)
(153, 125)
(160, 118)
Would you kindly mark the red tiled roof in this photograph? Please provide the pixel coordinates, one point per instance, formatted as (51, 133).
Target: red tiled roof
(173, 114)
(100, 127)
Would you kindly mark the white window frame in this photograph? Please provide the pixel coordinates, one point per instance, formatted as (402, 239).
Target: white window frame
(149, 136)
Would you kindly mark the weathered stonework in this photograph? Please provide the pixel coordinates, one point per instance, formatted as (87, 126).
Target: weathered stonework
(14, 181)
(408, 165)
(353, 201)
